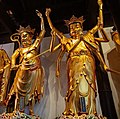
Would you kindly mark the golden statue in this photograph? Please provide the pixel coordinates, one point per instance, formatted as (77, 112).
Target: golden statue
(4, 74)
(28, 82)
(81, 93)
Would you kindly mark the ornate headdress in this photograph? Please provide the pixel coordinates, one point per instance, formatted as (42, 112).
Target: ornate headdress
(74, 19)
(26, 29)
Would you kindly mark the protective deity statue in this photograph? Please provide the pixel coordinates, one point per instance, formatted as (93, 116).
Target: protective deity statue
(28, 82)
(4, 74)
(81, 48)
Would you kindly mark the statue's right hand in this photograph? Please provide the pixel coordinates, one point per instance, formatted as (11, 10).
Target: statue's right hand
(48, 10)
(100, 2)
(39, 13)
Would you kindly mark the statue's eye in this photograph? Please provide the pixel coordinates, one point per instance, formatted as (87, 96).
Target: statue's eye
(25, 35)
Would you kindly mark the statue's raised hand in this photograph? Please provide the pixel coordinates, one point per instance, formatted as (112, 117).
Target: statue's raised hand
(100, 2)
(39, 14)
(48, 10)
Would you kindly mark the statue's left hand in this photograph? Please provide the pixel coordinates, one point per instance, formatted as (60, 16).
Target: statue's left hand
(48, 11)
(39, 14)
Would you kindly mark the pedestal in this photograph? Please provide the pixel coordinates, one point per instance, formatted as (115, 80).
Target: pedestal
(83, 116)
(18, 115)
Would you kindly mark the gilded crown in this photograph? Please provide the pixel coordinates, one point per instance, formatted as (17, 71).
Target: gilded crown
(26, 29)
(74, 19)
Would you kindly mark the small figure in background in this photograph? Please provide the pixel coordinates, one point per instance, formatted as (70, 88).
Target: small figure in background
(116, 38)
(4, 74)
(4, 78)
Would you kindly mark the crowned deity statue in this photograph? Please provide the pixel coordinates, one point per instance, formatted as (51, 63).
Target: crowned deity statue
(81, 49)
(28, 82)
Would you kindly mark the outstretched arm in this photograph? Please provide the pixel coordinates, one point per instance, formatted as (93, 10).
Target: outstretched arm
(42, 32)
(100, 18)
(63, 40)
(102, 62)
(55, 33)
(104, 36)
(59, 34)
(99, 25)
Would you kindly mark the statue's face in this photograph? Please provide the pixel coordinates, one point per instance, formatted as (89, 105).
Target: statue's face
(76, 29)
(26, 39)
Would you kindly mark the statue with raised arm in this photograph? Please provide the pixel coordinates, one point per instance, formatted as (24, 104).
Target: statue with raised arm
(81, 92)
(28, 82)
(4, 74)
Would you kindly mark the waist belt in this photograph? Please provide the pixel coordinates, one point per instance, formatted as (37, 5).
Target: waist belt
(82, 52)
